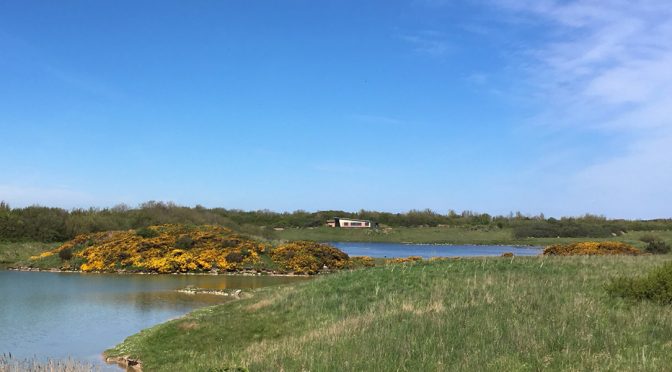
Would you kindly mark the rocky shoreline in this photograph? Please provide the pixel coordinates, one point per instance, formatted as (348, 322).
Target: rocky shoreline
(219, 292)
(124, 272)
(125, 362)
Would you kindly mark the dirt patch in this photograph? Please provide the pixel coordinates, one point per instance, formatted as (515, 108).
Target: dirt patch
(188, 325)
(261, 304)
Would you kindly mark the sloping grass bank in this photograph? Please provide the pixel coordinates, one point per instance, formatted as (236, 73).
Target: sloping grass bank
(493, 314)
(13, 252)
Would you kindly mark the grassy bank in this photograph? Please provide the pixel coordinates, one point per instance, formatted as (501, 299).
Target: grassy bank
(448, 235)
(471, 314)
(12, 253)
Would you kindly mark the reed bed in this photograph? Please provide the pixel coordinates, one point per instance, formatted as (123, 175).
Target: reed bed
(8, 363)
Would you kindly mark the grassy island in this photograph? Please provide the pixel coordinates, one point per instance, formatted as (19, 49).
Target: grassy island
(493, 314)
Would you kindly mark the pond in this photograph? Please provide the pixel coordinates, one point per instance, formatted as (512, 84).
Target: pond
(60, 315)
(430, 250)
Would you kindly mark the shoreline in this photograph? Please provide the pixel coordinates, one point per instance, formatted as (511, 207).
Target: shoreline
(120, 272)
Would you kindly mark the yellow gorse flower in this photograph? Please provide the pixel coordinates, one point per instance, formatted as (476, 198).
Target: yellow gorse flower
(591, 248)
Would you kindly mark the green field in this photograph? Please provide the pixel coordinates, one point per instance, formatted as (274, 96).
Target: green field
(493, 314)
(448, 235)
(11, 253)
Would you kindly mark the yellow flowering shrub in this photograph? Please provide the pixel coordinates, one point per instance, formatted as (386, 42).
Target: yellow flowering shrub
(305, 257)
(362, 261)
(163, 250)
(180, 248)
(591, 248)
(403, 259)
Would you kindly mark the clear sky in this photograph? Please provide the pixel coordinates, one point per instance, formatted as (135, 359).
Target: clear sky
(560, 107)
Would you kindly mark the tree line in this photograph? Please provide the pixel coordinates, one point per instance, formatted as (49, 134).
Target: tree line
(55, 224)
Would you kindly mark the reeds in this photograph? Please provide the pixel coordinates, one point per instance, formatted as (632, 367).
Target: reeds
(8, 363)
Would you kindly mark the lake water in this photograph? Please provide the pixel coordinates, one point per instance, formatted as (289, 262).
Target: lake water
(429, 250)
(60, 315)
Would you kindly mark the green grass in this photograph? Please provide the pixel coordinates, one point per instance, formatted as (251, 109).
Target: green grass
(12, 253)
(449, 235)
(491, 314)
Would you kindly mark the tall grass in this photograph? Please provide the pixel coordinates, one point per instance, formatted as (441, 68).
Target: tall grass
(491, 314)
(11, 253)
(11, 364)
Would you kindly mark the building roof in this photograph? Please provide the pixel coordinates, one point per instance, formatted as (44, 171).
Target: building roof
(350, 219)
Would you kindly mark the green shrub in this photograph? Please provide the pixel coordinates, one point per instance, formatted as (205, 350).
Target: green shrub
(658, 247)
(146, 233)
(655, 286)
(565, 228)
(65, 254)
(234, 257)
(184, 242)
(230, 243)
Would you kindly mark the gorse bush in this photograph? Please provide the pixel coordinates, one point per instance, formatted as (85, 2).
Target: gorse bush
(507, 254)
(306, 257)
(362, 261)
(178, 248)
(655, 286)
(409, 259)
(591, 248)
(165, 249)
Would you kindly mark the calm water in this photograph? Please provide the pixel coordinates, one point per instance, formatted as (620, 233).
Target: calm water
(56, 315)
(427, 251)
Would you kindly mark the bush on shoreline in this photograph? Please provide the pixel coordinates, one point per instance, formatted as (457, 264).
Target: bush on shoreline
(403, 260)
(305, 257)
(591, 249)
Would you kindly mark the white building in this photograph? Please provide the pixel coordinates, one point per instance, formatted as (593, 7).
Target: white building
(349, 223)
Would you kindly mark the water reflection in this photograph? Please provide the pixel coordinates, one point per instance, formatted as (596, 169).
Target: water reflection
(57, 315)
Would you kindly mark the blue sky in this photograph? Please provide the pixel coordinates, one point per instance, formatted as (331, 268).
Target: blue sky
(560, 107)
